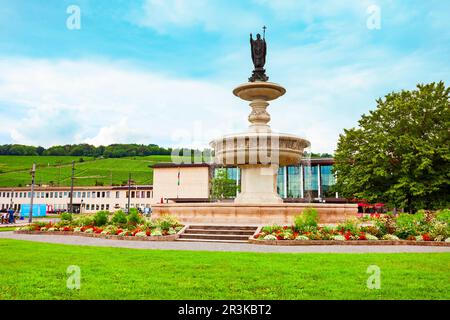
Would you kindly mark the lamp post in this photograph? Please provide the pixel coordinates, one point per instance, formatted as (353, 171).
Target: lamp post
(33, 173)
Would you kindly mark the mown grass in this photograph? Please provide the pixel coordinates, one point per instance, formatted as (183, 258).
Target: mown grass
(38, 271)
(14, 170)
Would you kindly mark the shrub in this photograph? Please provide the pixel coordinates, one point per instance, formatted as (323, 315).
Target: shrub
(307, 221)
(349, 226)
(390, 237)
(165, 222)
(119, 218)
(134, 218)
(84, 221)
(339, 238)
(386, 224)
(101, 218)
(66, 216)
(443, 215)
(439, 231)
(301, 237)
(270, 237)
(271, 229)
(370, 237)
(156, 233)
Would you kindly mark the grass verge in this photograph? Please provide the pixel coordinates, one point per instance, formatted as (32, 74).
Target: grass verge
(32, 270)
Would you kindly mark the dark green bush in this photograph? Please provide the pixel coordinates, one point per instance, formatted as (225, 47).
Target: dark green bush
(101, 218)
(134, 217)
(119, 218)
(67, 216)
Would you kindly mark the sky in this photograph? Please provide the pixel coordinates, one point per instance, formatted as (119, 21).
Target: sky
(163, 71)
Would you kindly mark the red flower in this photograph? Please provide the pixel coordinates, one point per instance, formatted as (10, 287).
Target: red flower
(279, 237)
(362, 236)
(426, 237)
(119, 231)
(285, 227)
(347, 235)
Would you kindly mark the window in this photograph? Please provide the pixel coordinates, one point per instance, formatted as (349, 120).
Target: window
(142, 194)
(293, 180)
(79, 194)
(102, 207)
(65, 194)
(280, 182)
(327, 180)
(97, 207)
(117, 194)
(88, 206)
(138, 194)
(51, 194)
(103, 194)
(29, 194)
(60, 194)
(107, 194)
(84, 195)
(133, 194)
(148, 194)
(88, 194)
(98, 194)
(107, 207)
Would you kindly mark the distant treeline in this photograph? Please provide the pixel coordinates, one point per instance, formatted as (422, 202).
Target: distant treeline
(111, 151)
(87, 150)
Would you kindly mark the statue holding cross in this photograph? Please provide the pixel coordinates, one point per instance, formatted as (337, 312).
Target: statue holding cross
(259, 51)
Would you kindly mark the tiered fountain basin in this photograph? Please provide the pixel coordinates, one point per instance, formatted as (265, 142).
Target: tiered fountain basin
(258, 153)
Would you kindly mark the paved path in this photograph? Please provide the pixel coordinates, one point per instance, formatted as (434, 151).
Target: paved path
(210, 246)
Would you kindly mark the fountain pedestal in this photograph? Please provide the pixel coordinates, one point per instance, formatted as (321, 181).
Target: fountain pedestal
(259, 152)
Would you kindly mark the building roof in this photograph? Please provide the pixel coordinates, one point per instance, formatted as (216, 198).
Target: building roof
(180, 165)
(82, 188)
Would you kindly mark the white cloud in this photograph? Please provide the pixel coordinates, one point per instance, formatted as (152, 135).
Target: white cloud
(107, 102)
(166, 15)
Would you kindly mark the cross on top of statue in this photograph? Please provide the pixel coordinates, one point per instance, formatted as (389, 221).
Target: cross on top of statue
(259, 50)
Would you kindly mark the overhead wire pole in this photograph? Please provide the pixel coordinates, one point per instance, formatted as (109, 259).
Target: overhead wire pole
(33, 174)
(129, 192)
(71, 187)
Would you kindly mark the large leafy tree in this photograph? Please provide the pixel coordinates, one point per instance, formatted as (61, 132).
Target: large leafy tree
(399, 153)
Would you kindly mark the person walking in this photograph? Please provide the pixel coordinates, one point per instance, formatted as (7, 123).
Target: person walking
(11, 215)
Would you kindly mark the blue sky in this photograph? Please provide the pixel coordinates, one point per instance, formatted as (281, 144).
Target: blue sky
(155, 71)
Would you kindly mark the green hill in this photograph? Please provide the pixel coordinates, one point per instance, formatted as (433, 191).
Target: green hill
(56, 170)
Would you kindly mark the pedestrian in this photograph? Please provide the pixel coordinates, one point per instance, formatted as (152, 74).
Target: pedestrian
(11, 215)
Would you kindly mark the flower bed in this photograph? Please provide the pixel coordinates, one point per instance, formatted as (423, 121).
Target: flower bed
(104, 225)
(423, 228)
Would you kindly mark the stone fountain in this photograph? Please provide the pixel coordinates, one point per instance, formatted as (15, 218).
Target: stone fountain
(259, 152)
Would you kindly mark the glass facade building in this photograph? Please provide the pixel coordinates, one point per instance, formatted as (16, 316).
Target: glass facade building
(311, 180)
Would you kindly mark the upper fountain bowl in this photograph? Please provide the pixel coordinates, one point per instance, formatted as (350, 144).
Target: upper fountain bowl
(259, 90)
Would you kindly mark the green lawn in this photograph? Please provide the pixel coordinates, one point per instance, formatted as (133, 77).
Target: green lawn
(38, 271)
(14, 170)
(3, 229)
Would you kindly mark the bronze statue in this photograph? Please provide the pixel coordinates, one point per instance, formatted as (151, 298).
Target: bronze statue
(259, 51)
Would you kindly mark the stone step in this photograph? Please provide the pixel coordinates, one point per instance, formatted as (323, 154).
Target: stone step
(218, 231)
(222, 227)
(214, 236)
(212, 240)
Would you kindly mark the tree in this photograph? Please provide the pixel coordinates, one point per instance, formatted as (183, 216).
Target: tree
(399, 154)
(222, 187)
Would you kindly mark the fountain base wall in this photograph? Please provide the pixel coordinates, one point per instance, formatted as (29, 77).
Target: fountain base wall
(252, 214)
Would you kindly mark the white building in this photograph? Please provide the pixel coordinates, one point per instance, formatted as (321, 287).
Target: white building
(85, 199)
